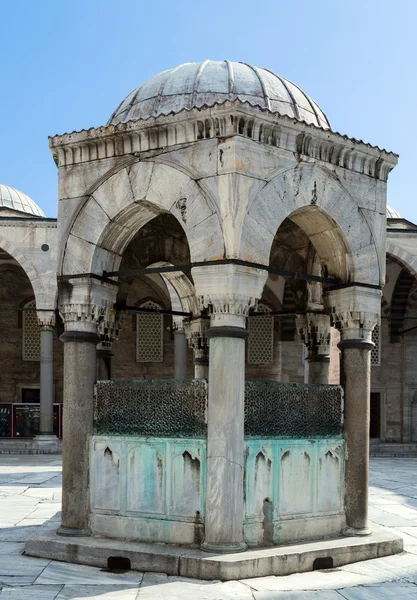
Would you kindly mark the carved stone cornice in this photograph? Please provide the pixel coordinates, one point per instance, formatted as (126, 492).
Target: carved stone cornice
(222, 120)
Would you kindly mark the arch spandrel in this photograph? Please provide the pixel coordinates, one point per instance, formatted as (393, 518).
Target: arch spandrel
(316, 200)
(116, 210)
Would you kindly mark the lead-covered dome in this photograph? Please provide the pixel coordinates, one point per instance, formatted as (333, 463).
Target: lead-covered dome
(392, 213)
(13, 201)
(194, 85)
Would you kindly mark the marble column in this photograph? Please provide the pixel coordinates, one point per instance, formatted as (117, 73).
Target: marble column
(104, 360)
(355, 311)
(79, 378)
(225, 436)
(180, 354)
(227, 292)
(201, 363)
(46, 424)
(356, 358)
(318, 368)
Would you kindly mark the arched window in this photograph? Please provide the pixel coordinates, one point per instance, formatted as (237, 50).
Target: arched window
(149, 334)
(376, 350)
(31, 333)
(261, 338)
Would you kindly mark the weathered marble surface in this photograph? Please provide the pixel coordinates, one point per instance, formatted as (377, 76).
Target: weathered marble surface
(144, 487)
(392, 487)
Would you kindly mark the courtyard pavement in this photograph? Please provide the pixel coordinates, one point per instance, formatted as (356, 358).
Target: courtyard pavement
(30, 493)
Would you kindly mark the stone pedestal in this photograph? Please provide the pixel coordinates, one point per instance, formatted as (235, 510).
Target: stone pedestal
(225, 436)
(79, 379)
(180, 354)
(356, 360)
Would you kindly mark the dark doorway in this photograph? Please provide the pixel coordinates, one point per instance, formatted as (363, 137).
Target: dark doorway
(375, 419)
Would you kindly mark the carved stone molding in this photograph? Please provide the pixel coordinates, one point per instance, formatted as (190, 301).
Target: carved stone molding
(222, 120)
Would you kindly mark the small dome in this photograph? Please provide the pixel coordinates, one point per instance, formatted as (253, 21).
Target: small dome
(14, 201)
(392, 213)
(194, 85)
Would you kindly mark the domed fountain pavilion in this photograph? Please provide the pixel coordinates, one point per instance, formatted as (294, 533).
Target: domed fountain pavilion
(227, 182)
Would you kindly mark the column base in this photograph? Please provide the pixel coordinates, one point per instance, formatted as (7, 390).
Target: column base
(223, 548)
(352, 532)
(46, 437)
(69, 532)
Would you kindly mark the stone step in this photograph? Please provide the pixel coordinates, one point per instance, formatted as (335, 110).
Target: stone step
(407, 450)
(188, 562)
(30, 446)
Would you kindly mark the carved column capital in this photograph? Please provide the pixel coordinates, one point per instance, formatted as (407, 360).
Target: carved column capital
(46, 318)
(354, 310)
(314, 331)
(109, 328)
(196, 332)
(228, 291)
(87, 304)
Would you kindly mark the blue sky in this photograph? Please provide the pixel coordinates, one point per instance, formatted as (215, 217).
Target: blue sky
(66, 65)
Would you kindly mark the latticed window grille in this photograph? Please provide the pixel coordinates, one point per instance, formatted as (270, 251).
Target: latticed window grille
(149, 335)
(376, 350)
(31, 333)
(261, 338)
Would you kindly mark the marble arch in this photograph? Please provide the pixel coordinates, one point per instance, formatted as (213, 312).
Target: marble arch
(125, 202)
(41, 295)
(315, 199)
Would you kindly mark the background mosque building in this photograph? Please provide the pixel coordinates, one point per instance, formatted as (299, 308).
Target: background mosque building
(216, 229)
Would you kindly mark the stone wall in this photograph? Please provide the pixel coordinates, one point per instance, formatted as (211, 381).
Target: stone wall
(387, 379)
(16, 373)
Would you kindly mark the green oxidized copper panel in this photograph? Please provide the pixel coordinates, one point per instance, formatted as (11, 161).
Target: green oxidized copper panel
(292, 410)
(172, 408)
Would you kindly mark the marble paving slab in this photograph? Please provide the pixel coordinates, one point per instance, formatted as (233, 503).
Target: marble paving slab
(57, 572)
(33, 592)
(158, 586)
(98, 592)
